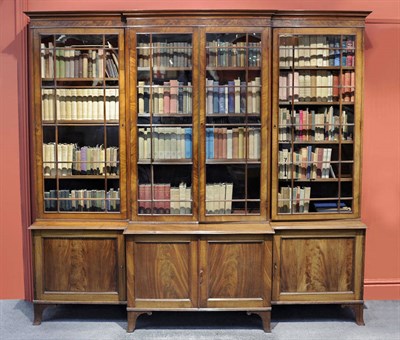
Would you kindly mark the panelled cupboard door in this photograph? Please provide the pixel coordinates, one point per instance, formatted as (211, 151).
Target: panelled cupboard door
(162, 272)
(79, 266)
(319, 266)
(235, 272)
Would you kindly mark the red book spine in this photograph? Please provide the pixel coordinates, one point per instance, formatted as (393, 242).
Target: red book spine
(147, 197)
(158, 193)
(335, 87)
(141, 197)
(173, 105)
(346, 81)
(167, 198)
(352, 84)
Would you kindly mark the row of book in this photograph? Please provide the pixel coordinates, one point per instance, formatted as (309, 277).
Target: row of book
(313, 85)
(311, 126)
(305, 164)
(165, 199)
(227, 54)
(164, 54)
(294, 200)
(75, 160)
(235, 97)
(82, 200)
(316, 50)
(173, 97)
(230, 143)
(80, 104)
(219, 198)
(167, 143)
(71, 62)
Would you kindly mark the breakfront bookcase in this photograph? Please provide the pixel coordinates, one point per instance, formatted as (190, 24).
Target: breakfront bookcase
(197, 160)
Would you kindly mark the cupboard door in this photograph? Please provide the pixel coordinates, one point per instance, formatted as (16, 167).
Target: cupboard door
(235, 272)
(84, 267)
(162, 272)
(320, 266)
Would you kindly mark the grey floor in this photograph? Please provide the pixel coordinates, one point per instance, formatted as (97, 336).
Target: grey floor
(382, 320)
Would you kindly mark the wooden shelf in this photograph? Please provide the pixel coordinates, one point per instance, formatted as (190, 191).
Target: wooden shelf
(318, 142)
(238, 115)
(166, 162)
(81, 122)
(286, 103)
(233, 161)
(165, 115)
(294, 68)
(164, 68)
(317, 180)
(82, 177)
(233, 68)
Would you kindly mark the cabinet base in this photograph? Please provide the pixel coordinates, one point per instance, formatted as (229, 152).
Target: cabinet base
(264, 315)
(38, 309)
(358, 310)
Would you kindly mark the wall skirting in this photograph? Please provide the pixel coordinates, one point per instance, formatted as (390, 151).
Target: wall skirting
(382, 289)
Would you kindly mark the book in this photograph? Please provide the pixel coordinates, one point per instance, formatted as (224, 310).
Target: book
(331, 207)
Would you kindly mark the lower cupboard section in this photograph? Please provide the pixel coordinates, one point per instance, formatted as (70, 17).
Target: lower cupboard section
(320, 266)
(199, 272)
(192, 272)
(79, 266)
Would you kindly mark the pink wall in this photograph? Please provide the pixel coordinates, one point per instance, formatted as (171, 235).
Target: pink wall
(381, 157)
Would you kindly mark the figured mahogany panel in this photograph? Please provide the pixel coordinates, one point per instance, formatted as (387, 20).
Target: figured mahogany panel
(162, 270)
(317, 265)
(234, 270)
(80, 264)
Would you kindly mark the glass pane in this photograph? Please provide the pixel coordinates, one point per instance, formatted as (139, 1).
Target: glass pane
(83, 104)
(310, 86)
(113, 196)
(225, 185)
(75, 195)
(348, 50)
(171, 51)
(49, 152)
(229, 93)
(169, 193)
(72, 62)
(233, 50)
(233, 143)
(80, 150)
(50, 195)
(47, 56)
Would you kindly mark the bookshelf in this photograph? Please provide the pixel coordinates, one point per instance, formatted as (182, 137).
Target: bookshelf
(197, 160)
